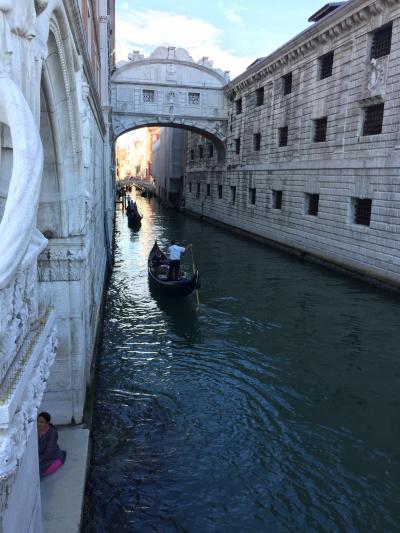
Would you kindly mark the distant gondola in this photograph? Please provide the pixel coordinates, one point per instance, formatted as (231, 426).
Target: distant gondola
(134, 217)
(158, 276)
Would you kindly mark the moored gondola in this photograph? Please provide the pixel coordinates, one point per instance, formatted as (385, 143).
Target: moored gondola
(158, 276)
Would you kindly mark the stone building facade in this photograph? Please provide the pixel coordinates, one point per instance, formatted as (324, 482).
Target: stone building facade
(56, 210)
(168, 161)
(313, 144)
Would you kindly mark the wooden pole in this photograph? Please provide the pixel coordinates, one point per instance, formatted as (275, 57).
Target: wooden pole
(194, 270)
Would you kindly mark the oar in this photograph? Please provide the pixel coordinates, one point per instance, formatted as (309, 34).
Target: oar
(194, 271)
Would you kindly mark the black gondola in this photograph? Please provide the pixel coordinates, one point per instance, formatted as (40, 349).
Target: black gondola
(134, 217)
(158, 276)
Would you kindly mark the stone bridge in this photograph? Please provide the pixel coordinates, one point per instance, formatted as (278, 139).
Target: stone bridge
(169, 89)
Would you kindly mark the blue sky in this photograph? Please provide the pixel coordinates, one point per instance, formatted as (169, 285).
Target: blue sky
(232, 34)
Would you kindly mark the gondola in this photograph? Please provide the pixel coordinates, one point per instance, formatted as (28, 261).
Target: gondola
(134, 217)
(158, 276)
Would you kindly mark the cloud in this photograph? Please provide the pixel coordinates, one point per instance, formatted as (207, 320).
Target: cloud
(145, 30)
(231, 13)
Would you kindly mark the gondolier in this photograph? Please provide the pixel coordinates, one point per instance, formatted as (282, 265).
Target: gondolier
(175, 252)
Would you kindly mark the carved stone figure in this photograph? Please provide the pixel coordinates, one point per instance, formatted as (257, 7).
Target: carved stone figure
(376, 75)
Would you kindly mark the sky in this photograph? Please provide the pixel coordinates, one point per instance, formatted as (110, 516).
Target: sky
(231, 33)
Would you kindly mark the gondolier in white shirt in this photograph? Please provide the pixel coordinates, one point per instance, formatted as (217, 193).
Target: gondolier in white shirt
(175, 253)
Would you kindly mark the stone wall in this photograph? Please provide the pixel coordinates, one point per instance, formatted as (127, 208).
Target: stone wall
(335, 197)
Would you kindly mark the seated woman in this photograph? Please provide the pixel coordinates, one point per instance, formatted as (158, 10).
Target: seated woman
(50, 455)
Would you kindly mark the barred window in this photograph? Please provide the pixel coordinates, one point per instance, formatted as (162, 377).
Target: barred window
(373, 119)
(277, 199)
(320, 126)
(362, 211)
(219, 191)
(233, 193)
(198, 190)
(283, 136)
(148, 96)
(208, 189)
(381, 42)
(325, 65)
(260, 96)
(201, 152)
(192, 154)
(252, 195)
(190, 186)
(237, 146)
(287, 83)
(238, 106)
(257, 142)
(194, 98)
(312, 204)
(210, 150)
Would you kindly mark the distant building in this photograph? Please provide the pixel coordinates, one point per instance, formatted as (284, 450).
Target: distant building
(168, 164)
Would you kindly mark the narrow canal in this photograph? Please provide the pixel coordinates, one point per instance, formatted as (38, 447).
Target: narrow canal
(274, 407)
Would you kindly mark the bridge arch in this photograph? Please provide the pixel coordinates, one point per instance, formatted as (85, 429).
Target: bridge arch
(169, 89)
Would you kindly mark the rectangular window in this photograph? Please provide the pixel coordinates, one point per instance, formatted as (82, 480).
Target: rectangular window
(381, 42)
(257, 142)
(312, 201)
(190, 186)
(233, 193)
(210, 150)
(198, 190)
(287, 83)
(320, 126)
(373, 119)
(192, 154)
(201, 152)
(252, 196)
(277, 199)
(194, 98)
(325, 66)
(208, 189)
(259, 96)
(238, 106)
(361, 208)
(148, 96)
(237, 146)
(283, 136)
(219, 191)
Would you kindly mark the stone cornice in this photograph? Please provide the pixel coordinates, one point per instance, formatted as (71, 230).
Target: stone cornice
(341, 21)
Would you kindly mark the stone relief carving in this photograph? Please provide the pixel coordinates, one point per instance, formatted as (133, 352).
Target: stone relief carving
(376, 75)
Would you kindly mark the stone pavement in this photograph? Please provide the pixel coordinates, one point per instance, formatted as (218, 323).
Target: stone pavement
(63, 492)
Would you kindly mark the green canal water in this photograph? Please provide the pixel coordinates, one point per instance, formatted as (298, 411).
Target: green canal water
(273, 407)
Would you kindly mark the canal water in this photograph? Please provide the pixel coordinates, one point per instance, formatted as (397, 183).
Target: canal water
(274, 406)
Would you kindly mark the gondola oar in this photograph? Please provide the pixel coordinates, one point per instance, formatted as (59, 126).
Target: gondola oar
(194, 271)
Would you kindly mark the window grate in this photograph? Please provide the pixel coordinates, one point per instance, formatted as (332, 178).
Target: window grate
(320, 126)
(198, 190)
(287, 83)
(237, 146)
(252, 195)
(219, 191)
(381, 42)
(210, 150)
(194, 98)
(233, 193)
(373, 119)
(362, 211)
(192, 154)
(201, 152)
(312, 204)
(257, 142)
(190, 186)
(260, 96)
(325, 66)
(148, 96)
(208, 189)
(238, 106)
(277, 199)
(283, 136)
